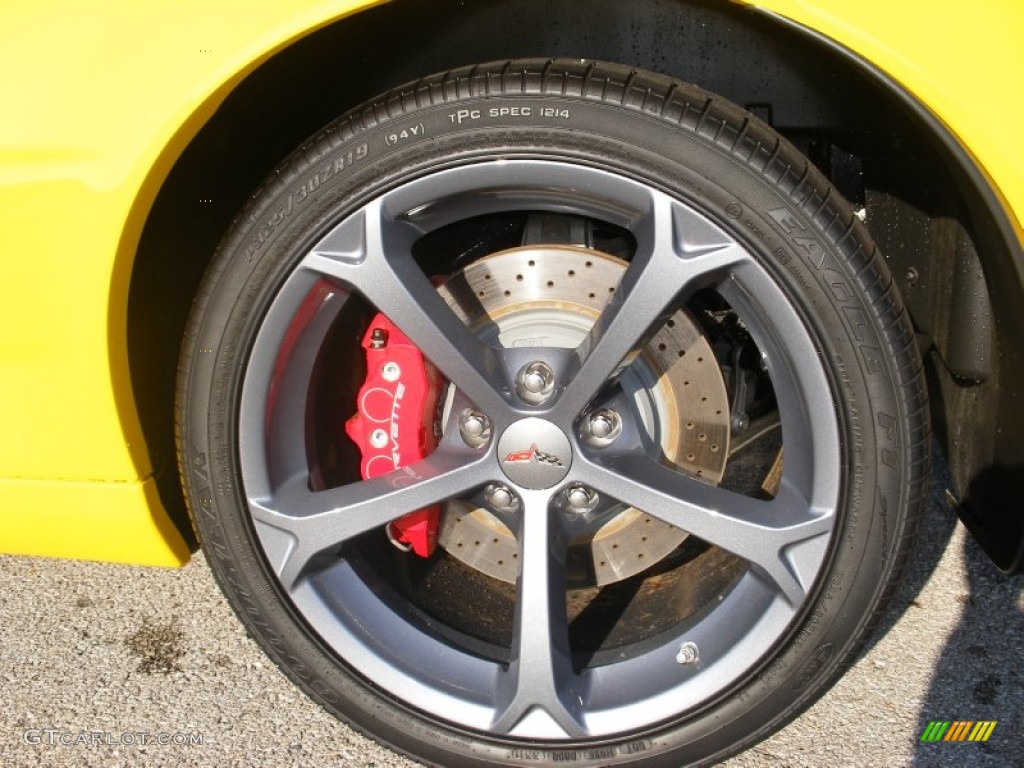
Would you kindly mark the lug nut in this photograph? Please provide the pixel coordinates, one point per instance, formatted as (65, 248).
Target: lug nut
(535, 382)
(581, 499)
(501, 498)
(603, 427)
(474, 427)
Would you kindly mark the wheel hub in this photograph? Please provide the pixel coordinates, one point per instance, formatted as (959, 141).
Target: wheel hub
(550, 296)
(535, 454)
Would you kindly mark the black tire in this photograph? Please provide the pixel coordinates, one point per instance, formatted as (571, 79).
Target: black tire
(813, 291)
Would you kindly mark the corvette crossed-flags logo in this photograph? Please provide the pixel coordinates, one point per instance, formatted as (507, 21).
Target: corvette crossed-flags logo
(531, 454)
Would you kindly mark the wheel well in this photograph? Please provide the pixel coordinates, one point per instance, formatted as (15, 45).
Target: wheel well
(930, 212)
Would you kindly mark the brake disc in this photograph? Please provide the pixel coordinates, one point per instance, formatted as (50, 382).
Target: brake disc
(550, 296)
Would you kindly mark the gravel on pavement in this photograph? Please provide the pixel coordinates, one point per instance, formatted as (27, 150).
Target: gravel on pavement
(112, 665)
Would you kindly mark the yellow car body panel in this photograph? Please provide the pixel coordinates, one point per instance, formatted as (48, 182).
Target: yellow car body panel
(961, 60)
(100, 100)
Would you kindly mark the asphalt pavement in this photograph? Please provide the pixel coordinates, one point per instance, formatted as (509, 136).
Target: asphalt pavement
(111, 665)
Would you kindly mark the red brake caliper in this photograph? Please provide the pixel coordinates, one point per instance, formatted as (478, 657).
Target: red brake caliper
(394, 422)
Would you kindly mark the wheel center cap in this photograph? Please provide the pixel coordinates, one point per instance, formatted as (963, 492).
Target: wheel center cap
(534, 454)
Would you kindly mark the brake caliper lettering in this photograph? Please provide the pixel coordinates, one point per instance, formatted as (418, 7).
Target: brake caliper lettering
(393, 423)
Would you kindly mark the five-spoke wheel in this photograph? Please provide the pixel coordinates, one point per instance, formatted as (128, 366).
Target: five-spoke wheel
(668, 426)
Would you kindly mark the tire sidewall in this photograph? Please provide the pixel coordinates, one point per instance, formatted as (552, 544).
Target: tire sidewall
(786, 222)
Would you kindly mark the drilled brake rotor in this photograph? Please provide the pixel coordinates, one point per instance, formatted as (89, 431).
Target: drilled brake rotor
(551, 296)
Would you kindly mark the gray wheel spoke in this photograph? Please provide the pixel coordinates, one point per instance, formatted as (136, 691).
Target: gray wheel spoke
(539, 683)
(677, 251)
(319, 521)
(373, 255)
(766, 533)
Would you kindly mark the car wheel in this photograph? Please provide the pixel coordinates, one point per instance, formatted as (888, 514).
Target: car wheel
(553, 411)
